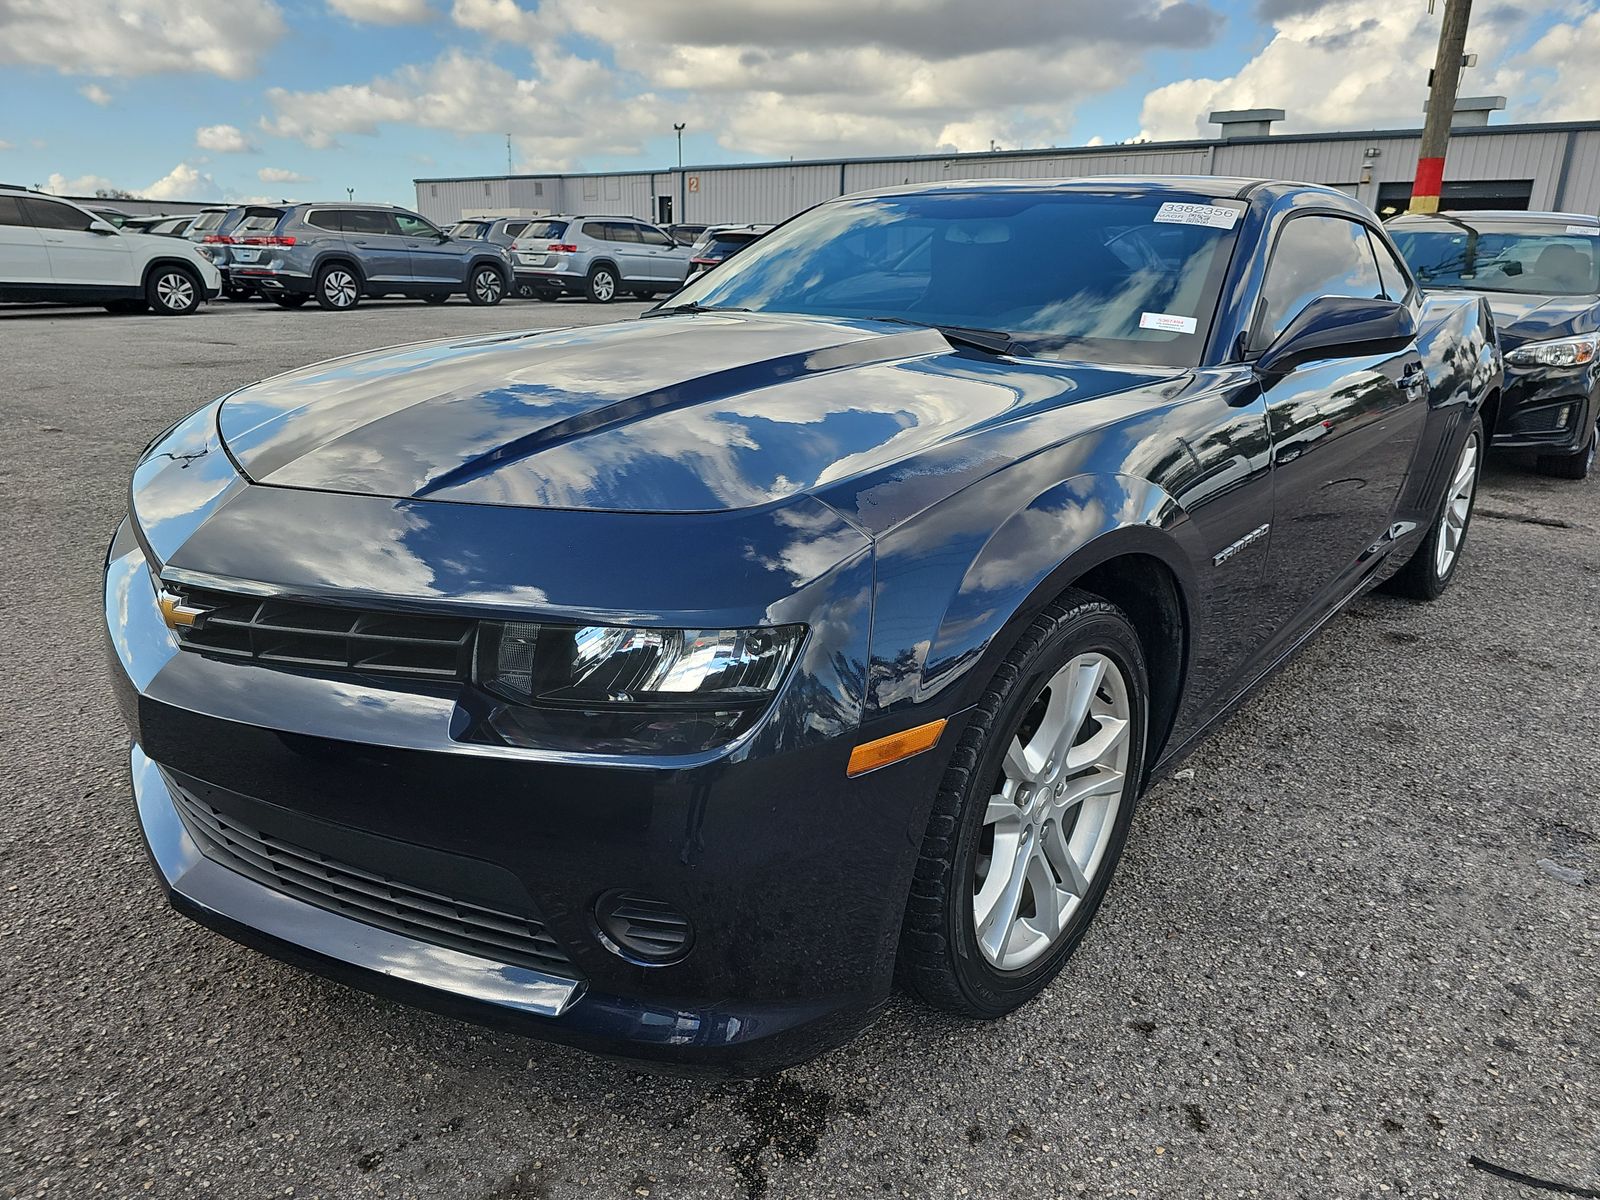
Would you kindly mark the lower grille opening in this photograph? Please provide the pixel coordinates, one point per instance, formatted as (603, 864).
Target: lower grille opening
(513, 938)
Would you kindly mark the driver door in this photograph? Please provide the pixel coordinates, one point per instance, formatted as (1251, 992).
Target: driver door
(434, 257)
(1342, 429)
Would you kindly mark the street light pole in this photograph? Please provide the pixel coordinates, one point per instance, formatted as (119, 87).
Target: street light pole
(678, 129)
(1441, 107)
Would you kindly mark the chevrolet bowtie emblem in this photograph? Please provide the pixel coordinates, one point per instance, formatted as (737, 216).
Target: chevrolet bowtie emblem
(175, 612)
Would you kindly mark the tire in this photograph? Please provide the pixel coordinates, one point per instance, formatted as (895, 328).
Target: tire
(1433, 563)
(436, 297)
(486, 286)
(290, 300)
(1570, 466)
(943, 959)
(125, 307)
(338, 287)
(601, 286)
(173, 291)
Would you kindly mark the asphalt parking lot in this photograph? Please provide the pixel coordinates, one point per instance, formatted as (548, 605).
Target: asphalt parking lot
(1353, 950)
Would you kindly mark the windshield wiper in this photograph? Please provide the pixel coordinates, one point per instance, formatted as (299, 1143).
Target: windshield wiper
(992, 341)
(664, 310)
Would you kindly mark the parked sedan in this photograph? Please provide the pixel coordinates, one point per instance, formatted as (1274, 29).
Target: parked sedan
(1541, 275)
(670, 687)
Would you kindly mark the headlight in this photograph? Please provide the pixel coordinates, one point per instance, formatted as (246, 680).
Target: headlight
(612, 688)
(1558, 352)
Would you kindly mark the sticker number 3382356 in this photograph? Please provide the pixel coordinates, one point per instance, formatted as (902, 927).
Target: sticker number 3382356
(1214, 215)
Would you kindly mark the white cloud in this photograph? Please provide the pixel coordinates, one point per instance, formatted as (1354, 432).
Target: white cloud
(281, 175)
(384, 12)
(84, 185)
(772, 77)
(5, 145)
(95, 94)
(1344, 64)
(223, 139)
(1563, 61)
(183, 182)
(139, 37)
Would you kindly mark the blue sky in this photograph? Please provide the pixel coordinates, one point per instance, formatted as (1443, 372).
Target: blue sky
(190, 99)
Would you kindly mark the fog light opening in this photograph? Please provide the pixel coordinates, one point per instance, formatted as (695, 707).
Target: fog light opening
(642, 929)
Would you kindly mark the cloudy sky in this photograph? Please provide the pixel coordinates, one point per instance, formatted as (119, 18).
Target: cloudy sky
(201, 100)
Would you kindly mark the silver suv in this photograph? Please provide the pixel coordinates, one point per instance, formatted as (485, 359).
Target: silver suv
(598, 257)
(338, 253)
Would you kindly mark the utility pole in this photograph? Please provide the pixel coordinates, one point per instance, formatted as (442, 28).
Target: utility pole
(682, 203)
(1441, 107)
(508, 154)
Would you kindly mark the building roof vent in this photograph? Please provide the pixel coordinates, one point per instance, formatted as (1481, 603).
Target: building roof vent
(1472, 110)
(1246, 122)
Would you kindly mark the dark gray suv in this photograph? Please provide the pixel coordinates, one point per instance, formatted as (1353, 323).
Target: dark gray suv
(338, 253)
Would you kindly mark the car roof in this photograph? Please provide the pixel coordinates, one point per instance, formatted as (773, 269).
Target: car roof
(1220, 187)
(1467, 216)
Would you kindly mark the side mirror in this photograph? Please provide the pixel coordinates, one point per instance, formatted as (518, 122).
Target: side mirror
(103, 228)
(1339, 327)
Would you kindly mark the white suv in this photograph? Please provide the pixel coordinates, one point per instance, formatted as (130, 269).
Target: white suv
(51, 249)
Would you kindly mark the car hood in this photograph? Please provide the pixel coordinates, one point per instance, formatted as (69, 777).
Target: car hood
(1522, 318)
(681, 413)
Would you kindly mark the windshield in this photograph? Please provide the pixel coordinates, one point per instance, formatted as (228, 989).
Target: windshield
(1106, 277)
(1543, 260)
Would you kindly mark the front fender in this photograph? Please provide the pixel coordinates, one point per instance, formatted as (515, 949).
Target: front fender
(955, 591)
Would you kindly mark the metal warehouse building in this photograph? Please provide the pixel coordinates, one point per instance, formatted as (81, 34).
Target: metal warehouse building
(1543, 166)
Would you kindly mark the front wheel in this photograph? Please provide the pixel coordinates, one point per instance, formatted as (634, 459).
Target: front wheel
(172, 291)
(1571, 466)
(487, 286)
(1433, 564)
(1031, 815)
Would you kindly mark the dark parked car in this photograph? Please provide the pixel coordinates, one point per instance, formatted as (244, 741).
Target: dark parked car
(1541, 275)
(336, 253)
(720, 242)
(667, 687)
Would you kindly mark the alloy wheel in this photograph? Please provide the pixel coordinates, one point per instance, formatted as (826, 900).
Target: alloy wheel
(1457, 508)
(487, 286)
(340, 288)
(604, 286)
(1051, 815)
(175, 291)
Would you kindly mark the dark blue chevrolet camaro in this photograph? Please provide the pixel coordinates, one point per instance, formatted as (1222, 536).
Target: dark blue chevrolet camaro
(672, 687)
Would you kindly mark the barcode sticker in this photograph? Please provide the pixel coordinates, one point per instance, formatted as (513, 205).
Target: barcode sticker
(1214, 215)
(1167, 321)
(1589, 230)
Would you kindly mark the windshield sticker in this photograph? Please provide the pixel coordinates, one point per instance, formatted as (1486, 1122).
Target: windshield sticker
(1213, 215)
(1167, 321)
(1589, 230)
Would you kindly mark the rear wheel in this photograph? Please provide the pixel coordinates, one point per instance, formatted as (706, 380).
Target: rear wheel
(290, 300)
(1433, 564)
(486, 286)
(1571, 466)
(173, 291)
(602, 285)
(338, 288)
(1031, 815)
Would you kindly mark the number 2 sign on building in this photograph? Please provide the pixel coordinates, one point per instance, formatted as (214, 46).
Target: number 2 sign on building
(694, 183)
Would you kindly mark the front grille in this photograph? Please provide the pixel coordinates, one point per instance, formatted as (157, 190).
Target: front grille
(373, 899)
(1552, 418)
(319, 636)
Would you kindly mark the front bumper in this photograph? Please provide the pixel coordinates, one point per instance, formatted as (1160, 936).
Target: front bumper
(793, 875)
(1547, 409)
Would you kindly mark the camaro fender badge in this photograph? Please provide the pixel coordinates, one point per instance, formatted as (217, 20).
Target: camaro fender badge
(175, 613)
(1255, 535)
